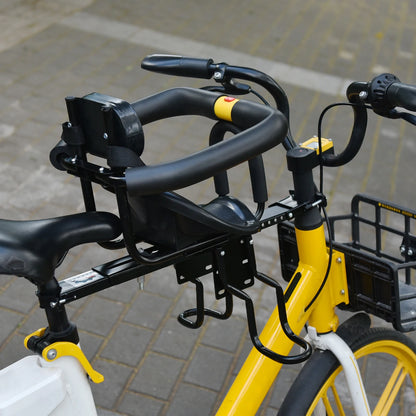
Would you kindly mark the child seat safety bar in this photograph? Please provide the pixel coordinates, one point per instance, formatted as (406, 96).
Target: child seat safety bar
(262, 128)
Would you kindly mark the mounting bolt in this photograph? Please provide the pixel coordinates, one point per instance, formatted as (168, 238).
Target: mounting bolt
(51, 354)
(402, 249)
(105, 136)
(342, 292)
(290, 215)
(222, 253)
(410, 252)
(339, 260)
(363, 95)
(217, 75)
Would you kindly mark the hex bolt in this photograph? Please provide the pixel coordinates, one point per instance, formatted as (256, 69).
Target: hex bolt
(51, 354)
(290, 215)
(402, 249)
(410, 252)
(339, 260)
(342, 292)
(217, 75)
(105, 136)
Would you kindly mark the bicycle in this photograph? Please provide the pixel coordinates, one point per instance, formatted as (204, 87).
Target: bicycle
(161, 228)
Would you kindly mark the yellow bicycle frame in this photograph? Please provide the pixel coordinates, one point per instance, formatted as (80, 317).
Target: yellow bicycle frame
(259, 372)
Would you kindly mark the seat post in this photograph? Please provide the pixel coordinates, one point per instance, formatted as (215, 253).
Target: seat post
(59, 326)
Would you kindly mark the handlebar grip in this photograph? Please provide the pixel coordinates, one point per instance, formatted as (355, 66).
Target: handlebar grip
(402, 95)
(263, 128)
(179, 65)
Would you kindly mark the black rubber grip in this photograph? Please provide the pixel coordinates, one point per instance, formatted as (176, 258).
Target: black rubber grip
(263, 128)
(402, 95)
(179, 65)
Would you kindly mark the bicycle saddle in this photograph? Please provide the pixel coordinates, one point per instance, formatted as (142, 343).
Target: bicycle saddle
(33, 249)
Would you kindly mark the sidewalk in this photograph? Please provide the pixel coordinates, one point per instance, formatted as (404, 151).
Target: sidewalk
(52, 49)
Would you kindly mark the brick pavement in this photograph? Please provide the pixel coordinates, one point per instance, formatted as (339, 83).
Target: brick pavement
(149, 360)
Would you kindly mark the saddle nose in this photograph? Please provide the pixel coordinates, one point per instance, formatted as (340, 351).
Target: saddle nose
(33, 249)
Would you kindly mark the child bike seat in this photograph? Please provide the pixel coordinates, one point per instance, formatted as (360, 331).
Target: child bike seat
(33, 249)
(170, 220)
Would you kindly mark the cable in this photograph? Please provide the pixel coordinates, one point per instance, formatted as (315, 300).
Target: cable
(328, 269)
(321, 189)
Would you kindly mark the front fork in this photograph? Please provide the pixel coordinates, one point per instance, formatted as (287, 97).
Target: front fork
(334, 343)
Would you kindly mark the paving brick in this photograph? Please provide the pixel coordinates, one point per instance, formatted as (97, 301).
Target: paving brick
(208, 368)
(90, 344)
(191, 400)
(99, 316)
(14, 350)
(148, 310)
(176, 340)
(127, 344)
(225, 335)
(157, 376)
(19, 296)
(115, 379)
(135, 404)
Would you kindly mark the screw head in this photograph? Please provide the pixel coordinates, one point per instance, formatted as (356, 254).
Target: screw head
(217, 75)
(51, 355)
(410, 252)
(105, 136)
(363, 95)
(339, 260)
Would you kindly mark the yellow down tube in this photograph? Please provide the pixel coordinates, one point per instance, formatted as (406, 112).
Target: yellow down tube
(259, 372)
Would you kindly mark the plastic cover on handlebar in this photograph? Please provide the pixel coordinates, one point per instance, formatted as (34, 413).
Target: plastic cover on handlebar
(179, 65)
(263, 128)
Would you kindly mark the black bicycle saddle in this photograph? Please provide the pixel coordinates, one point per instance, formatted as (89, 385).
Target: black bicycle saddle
(33, 249)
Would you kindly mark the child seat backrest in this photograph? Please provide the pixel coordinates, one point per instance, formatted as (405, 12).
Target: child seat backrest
(110, 128)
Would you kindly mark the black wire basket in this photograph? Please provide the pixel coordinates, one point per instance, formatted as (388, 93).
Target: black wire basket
(378, 240)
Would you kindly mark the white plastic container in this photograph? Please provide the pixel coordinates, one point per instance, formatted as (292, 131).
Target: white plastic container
(34, 387)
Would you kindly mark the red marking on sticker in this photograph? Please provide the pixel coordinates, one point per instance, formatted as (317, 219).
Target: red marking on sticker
(229, 99)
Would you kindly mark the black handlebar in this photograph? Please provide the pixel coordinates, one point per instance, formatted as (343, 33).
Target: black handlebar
(222, 73)
(262, 128)
(354, 143)
(382, 94)
(179, 66)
